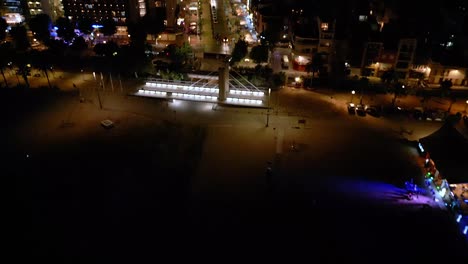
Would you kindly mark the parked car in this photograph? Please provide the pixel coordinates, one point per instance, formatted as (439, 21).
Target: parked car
(417, 113)
(373, 110)
(360, 110)
(395, 111)
(351, 109)
(192, 28)
(429, 114)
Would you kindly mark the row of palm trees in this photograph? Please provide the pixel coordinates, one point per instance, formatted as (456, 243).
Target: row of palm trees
(24, 61)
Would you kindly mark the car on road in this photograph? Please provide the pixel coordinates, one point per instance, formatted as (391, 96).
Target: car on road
(161, 64)
(360, 110)
(418, 113)
(373, 110)
(395, 111)
(351, 109)
(429, 114)
(192, 28)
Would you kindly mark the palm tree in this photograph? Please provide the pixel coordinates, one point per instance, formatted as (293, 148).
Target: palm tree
(397, 90)
(66, 29)
(426, 98)
(24, 68)
(445, 87)
(363, 85)
(259, 54)
(20, 38)
(389, 77)
(5, 58)
(42, 60)
(453, 99)
(239, 52)
(41, 25)
(316, 65)
(109, 27)
(3, 28)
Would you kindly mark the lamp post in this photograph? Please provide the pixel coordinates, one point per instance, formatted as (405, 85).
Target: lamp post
(268, 110)
(352, 95)
(362, 94)
(97, 91)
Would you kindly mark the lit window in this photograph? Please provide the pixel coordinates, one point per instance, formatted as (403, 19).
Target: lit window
(362, 18)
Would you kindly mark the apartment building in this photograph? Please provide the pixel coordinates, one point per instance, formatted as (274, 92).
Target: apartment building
(314, 38)
(97, 10)
(405, 57)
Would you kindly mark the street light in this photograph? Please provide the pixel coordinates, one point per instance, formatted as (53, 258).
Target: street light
(352, 95)
(97, 91)
(268, 110)
(466, 106)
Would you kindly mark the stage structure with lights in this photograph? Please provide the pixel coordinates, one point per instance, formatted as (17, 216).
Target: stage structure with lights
(449, 185)
(224, 88)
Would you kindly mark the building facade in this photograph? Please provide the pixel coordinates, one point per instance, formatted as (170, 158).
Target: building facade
(11, 6)
(16, 11)
(319, 43)
(12, 11)
(405, 57)
(53, 8)
(435, 73)
(97, 10)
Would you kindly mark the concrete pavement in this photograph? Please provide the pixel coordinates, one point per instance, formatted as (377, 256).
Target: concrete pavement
(228, 181)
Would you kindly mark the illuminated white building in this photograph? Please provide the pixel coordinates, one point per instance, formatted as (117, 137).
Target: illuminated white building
(13, 18)
(435, 73)
(12, 11)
